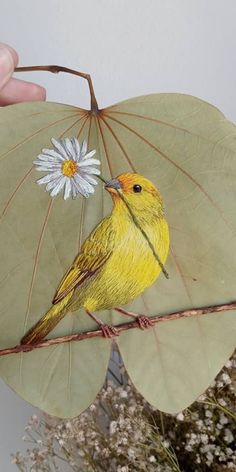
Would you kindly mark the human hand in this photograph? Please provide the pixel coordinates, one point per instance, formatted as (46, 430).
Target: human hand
(14, 90)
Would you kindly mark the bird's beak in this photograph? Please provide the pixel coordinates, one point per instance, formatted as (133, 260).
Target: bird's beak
(112, 186)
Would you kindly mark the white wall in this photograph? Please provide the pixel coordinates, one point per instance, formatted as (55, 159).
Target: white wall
(130, 47)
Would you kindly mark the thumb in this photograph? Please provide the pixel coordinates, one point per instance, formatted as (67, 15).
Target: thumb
(8, 61)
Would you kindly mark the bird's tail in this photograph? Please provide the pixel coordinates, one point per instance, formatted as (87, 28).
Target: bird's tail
(47, 322)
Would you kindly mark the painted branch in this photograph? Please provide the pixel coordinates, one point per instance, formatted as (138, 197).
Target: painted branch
(56, 69)
(121, 327)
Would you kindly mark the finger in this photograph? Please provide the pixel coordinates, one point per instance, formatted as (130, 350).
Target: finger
(8, 62)
(17, 91)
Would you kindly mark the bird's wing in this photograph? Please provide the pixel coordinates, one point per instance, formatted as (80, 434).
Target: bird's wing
(95, 251)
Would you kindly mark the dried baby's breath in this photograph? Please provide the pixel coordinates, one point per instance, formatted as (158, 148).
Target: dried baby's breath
(121, 432)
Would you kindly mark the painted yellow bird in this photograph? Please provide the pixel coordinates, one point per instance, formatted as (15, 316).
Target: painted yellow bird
(122, 256)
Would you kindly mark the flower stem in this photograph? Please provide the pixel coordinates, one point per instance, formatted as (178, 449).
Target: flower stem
(220, 407)
(102, 179)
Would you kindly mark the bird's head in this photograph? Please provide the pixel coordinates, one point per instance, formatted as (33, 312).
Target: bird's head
(140, 193)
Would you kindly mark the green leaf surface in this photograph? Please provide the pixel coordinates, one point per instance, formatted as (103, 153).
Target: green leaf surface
(187, 148)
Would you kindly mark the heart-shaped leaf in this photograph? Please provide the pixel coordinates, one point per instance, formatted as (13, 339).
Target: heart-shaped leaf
(187, 148)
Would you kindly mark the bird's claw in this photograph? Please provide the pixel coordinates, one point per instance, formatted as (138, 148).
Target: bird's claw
(109, 331)
(144, 322)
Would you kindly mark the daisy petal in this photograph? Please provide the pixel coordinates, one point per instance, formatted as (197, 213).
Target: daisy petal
(68, 188)
(91, 180)
(84, 149)
(45, 158)
(89, 154)
(52, 153)
(84, 185)
(74, 190)
(59, 148)
(69, 148)
(79, 189)
(48, 164)
(46, 168)
(90, 170)
(89, 162)
(48, 178)
(58, 187)
(53, 183)
(76, 146)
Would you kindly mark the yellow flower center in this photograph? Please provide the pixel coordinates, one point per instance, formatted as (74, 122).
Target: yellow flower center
(69, 168)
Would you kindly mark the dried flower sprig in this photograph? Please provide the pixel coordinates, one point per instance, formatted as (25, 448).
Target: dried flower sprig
(121, 432)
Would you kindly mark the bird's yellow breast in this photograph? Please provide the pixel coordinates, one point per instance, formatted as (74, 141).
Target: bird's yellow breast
(132, 266)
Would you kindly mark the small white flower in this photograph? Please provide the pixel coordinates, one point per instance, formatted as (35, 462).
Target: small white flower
(226, 378)
(81, 453)
(223, 419)
(228, 437)
(166, 443)
(131, 410)
(204, 438)
(222, 402)
(202, 397)
(180, 416)
(189, 448)
(123, 394)
(92, 407)
(131, 453)
(113, 427)
(69, 167)
(210, 458)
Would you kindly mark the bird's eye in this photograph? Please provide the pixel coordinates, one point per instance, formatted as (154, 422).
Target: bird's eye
(137, 188)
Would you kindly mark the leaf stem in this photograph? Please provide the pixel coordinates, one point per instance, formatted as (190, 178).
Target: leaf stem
(56, 69)
(121, 327)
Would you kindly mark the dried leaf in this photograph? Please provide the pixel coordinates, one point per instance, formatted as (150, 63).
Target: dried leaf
(187, 148)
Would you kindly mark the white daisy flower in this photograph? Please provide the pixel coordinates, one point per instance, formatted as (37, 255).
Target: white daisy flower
(69, 167)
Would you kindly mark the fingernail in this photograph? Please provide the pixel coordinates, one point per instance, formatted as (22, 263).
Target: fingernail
(6, 62)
